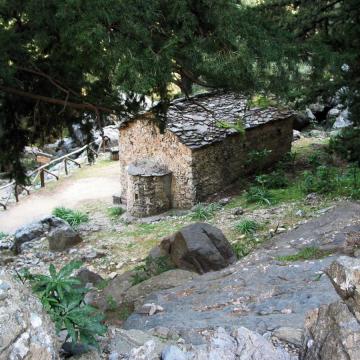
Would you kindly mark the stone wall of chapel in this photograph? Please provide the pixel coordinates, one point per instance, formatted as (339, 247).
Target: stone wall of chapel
(141, 139)
(220, 164)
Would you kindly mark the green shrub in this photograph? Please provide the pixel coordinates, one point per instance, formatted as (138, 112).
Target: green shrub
(323, 180)
(115, 212)
(288, 161)
(275, 180)
(346, 144)
(72, 217)
(205, 212)
(314, 160)
(259, 195)
(333, 181)
(3, 235)
(63, 299)
(307, 253)
(258, 158)
(247, 227)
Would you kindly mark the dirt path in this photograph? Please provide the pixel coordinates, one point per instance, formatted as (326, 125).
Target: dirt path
(98, 182)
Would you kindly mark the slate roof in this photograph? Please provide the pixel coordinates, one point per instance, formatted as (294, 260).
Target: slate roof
(196, 121)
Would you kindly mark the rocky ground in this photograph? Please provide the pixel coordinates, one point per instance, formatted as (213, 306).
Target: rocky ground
(269, 292)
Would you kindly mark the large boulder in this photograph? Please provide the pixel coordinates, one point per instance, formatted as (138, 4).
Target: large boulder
(241, 344)
(332, 331)
(60, 234)
(344, 274)
(120, 294)
(63, 237)
(26, 331)
(216, 345)
(301, 121)
(198, 247)
(36, 230)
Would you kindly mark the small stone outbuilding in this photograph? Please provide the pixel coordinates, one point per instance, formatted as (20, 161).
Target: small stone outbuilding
(201, 151)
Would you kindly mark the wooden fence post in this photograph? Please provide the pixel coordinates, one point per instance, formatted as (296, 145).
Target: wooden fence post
(66, 168)
(16, 193)
(42, 178)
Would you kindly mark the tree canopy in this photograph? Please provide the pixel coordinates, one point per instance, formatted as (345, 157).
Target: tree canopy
(61, 60)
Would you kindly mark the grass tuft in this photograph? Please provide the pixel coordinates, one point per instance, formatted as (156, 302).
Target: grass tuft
(72, 217)
(259, 195)
(247, 227)
(115, 212)
(205, 212)
(307, 253)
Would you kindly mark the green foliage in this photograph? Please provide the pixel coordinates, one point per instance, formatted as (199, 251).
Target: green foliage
(63, 299)
(307, 253)
(259, 195)
(73, 217)
(76, 54)
(243, 248)
(258, 156)
(288, 161)
(238, 125)
(205, 212)
(314, 160)
(346, 144)
(257, 159)
(331, 180)
(247, 227)
(3, 235)
(261, 101)
(151, 267)
(322, 181)
(115, 212)
(275, 180)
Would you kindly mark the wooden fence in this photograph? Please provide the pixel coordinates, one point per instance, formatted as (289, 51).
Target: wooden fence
(40, 172)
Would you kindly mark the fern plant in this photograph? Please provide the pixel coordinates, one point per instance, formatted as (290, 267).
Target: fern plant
(63, 299)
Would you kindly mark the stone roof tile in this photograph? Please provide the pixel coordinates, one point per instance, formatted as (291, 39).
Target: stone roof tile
(197, 121)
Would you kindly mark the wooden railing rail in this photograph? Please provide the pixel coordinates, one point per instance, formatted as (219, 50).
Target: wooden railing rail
(40, 171)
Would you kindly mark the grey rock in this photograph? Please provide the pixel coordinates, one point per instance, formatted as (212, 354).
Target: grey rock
(123, 293)
(86, 276)
(36, 230)
(63, 237)
(317, 108)
(224, 201)
(344, 274)
(136, 343)
(331, 333)
(296, 135)
(342, 120)
(199, 247)
(238, 211)
(310, 115)
(172, 352)
(290, 335)
(26, 331)
(259, 291)
(301, 121)
(317, 133)
(241, 344)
